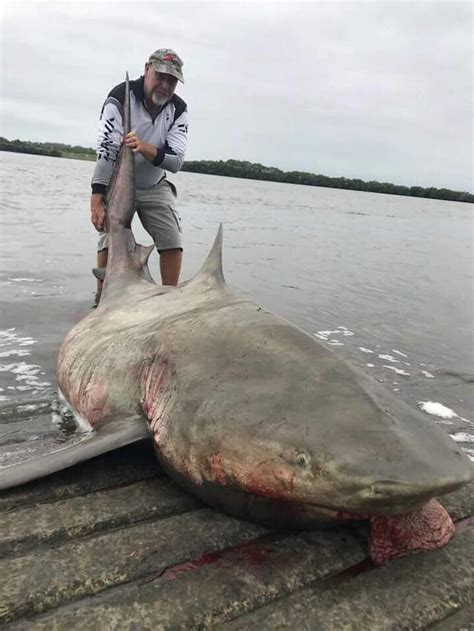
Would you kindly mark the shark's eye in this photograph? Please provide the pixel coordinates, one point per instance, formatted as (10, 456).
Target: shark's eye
(303, 459)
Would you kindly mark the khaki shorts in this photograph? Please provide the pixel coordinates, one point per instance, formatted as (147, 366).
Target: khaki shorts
(156, 209)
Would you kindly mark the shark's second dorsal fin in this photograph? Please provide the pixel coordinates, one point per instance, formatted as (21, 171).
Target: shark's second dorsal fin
(140, 257)
(212, 268)
(131, 274)
(142, 254)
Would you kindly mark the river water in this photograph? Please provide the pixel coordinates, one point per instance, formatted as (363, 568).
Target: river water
(385, 281)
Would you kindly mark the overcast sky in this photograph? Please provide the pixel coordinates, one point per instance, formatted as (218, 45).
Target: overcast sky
(375, 90)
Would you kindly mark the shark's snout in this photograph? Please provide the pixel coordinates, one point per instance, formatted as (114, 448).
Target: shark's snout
(392, 497)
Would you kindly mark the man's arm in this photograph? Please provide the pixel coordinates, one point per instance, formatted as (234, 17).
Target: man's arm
(169, 157)
(133, 141)
(108, 147)
(98, 215)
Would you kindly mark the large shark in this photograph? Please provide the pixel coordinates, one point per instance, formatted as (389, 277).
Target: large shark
(246, 411)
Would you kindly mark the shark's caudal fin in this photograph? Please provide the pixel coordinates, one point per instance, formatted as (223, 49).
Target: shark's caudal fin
(121, 189)
(211, 271)
(127, 261)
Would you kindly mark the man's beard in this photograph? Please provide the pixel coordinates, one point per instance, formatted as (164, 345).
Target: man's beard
(158, 99)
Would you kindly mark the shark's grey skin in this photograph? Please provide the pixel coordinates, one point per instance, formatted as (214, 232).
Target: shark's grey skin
(248, 411)
(245, 410)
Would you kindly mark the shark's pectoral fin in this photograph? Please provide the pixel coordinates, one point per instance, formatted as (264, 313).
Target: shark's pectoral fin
(25, 461)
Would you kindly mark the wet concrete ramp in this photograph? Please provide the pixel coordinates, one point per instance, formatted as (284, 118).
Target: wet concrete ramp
(113, 544)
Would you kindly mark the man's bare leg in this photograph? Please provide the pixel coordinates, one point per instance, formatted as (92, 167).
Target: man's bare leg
(102, 257)
(170, 266)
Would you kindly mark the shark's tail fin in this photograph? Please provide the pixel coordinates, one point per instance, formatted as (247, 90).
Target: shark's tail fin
(124, 266)
(126, 110)
(121, 190)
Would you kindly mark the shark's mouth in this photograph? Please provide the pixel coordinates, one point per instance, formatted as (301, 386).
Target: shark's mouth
(393, 536)
(427, 528)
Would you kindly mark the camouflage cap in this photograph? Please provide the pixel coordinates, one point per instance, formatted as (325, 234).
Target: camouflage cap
(167, 61)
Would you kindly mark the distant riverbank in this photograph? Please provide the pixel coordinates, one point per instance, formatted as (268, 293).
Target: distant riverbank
(52, 149)
(249, 170)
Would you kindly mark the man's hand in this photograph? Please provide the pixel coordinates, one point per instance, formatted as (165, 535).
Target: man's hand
(98, 216)
(134, 142)
(139, 146)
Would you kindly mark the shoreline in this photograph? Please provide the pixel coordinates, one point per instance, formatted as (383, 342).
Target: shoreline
(251, 171)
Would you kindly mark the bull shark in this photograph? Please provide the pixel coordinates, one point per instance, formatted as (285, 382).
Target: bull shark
(245, 410)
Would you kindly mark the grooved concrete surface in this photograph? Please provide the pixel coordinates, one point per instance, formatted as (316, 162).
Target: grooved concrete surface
(113, 544)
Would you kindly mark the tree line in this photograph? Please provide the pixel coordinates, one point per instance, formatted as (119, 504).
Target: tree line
(250, 170)
(54, 149)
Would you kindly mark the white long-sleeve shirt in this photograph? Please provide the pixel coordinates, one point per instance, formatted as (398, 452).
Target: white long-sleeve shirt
(167, 132)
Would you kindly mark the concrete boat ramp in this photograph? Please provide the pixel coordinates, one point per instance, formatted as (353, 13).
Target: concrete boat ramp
(113, 544)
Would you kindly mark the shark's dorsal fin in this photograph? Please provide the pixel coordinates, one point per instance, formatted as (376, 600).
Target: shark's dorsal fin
(212, 268)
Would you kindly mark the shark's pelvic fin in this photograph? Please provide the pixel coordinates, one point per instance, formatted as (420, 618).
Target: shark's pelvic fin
(99, 272)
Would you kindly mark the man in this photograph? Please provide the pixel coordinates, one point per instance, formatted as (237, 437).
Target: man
(159, 123)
